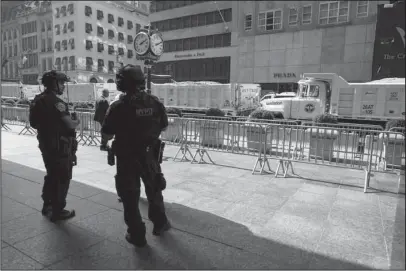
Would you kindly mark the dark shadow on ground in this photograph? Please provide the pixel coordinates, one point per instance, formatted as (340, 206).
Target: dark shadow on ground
(200, 240)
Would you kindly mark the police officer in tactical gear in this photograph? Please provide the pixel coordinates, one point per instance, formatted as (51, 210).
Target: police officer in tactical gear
(136, 121)
(57, 142)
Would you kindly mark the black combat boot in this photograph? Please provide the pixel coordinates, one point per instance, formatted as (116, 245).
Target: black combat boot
(46, 209)
(62, 215)
(157, 231)
(136, 241)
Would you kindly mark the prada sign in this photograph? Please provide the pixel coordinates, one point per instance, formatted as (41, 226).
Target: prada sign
(284, 75)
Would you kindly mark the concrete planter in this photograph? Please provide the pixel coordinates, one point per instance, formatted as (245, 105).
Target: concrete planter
(212, 134)
(322, 143)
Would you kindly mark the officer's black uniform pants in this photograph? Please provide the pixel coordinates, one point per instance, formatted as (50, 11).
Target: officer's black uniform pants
(104, 140)
(56, 181)
(128, 185)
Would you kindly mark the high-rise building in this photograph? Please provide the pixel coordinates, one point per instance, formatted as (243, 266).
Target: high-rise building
(280, 40)
(93, 38)
(21, 37)
(199, 42)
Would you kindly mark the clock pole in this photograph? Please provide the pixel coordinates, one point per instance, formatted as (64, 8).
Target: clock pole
(150, 55)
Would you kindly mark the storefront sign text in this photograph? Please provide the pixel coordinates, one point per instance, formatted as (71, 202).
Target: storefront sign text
(399, 56)
(190, 55)
(284, 75)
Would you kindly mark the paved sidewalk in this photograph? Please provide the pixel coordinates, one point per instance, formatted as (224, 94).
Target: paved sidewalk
(223, 217)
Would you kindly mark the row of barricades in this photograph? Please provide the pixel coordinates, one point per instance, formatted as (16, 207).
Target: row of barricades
(344, 145)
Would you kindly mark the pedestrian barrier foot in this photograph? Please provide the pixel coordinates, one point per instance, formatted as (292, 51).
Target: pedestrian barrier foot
(27, 130)
(5, 127)
(261, 162)
(185, 150)
(284, 165)
(201, 153)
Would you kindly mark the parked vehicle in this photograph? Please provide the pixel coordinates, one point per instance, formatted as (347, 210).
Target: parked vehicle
(373, 102)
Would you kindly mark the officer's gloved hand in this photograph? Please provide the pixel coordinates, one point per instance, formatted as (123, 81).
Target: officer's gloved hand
(161, 182)
(74, 160)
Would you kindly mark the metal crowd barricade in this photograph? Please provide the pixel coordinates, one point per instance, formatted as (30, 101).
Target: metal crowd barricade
(17, 116)
(3, 123)
(88, 129)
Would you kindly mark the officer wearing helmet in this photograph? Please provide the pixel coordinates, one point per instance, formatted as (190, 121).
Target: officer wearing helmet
(57, 142)
(136, 121)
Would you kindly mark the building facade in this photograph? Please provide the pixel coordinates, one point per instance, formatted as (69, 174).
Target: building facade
(92, 39)
(199, 39)
(21, 36)
(280, 40)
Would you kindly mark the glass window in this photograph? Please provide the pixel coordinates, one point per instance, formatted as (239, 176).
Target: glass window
(248, 22)
(194, 19)
(179, 45)
(270, 20)
(362, 9)
(193, 43)
(209, 41)
(218, 40)
(293, 17)
(201, 19)
(313, 91)
(187, 21)
(307, 15)
(201, 44)
(333, 12)
(209, 18)
(226, 39)
(186, 44)
(227, 14)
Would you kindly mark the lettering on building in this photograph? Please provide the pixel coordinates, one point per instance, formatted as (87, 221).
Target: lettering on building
(190, 55)
(399, 56)
(284, 75)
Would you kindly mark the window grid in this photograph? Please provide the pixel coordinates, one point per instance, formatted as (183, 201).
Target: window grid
(333, 12)
(270, 20)
(248, 22)
(362, 9)
(293, 17)
(307, 15)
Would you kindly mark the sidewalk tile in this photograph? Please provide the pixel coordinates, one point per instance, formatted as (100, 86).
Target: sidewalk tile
(82, 190)
(105, 255)
(11, 209)
(107, 199)
(57, 244)
(25, 227)
(355, 220)
(302, 209)
(248, 214)
(396, 249)
(4, 244)
(311, 198)
(349, 194)
(270, 201)
(320, 188)
(206, 204)
(282, 224)
(359, 240)
(356, 207)
(15, 260)
(84, 208)
(336, 257)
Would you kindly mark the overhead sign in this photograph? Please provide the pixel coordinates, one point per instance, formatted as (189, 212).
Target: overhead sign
(189, 55)
(284, 75)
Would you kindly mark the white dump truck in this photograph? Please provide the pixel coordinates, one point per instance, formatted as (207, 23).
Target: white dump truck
(200, 96)
(373, 102)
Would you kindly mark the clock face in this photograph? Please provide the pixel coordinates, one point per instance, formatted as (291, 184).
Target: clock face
(157, 44)
(141, 43)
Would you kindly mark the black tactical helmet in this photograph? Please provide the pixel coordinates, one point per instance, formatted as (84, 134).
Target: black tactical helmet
(129, 78)
(51, 76)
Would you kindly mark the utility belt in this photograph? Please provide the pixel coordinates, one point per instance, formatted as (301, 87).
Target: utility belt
(65, 146)
(156, 148)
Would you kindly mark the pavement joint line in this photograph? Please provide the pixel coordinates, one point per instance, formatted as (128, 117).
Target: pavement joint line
(383, 231)
(13, 174)
(67, 256)
(27, 254)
